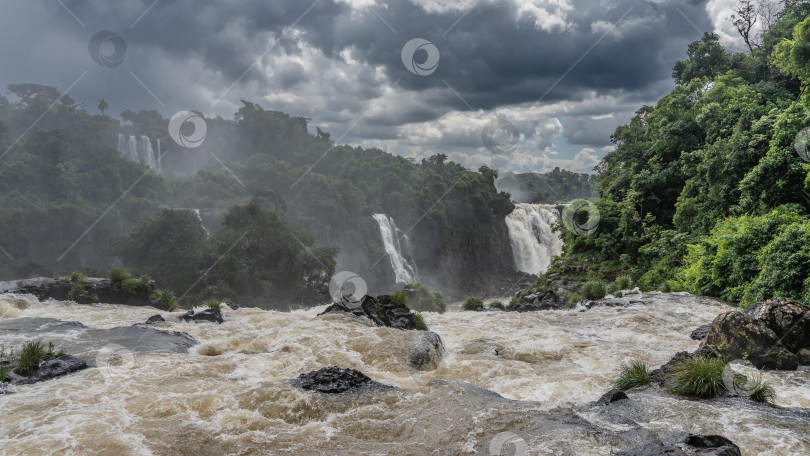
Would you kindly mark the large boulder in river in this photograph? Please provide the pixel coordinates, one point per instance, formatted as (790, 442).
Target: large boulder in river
(692, 445)
(87, 291)
(49, 369)
(382, 310)
(335, 380)
(211, 315)
(739, 336)
(788, 319)
(541, 300)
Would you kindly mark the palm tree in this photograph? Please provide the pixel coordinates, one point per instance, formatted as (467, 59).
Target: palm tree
(102, 106)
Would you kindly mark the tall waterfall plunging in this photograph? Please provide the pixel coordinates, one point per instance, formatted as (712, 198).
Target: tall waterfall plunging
(533, 241)
(139, 150)
(394, 240)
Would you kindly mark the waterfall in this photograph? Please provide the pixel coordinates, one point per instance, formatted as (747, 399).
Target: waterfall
(139, 150)
(404, 271)
(533, 242)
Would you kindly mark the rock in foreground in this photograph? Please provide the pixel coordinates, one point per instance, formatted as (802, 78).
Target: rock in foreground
(693, 445)
(335, 380)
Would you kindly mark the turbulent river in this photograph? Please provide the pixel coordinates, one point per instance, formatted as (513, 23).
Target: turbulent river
(229, 395)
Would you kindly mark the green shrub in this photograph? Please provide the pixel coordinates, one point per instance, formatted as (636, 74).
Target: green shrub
(613, 288)
(400, 298)
(473, 304)
(32, 354)
(4, 373)
(497, 305)
(623, 282)
(594, 290)
(571, 298)
(664, 287)
(213, 304)
(77, 277)
(130, 285)
(419, 322)
(697, 377)
(118, 275)
(632, 375)
(166, 300)
(758, 389)
(423, 300)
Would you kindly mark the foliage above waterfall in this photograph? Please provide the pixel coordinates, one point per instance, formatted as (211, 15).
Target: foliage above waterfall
(556, 186)
(708, 190)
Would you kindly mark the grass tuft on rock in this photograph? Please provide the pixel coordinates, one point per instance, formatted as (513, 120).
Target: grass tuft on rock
(32, 354)
(213, 304)
(419, 322)
(759, 390)
(400, 298)
(473, 304)
(4, 370)
(594, 290)
(633, 375)
(497, 305)
(697, 377)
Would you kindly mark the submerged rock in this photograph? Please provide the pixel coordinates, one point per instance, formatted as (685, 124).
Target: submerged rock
(611, 396)
(692, 445)
(78, 339)
(382, 310)
(212, 315)
(49, 369)
(155, 319)
(335, 380)
(541, 300)
(740, 336)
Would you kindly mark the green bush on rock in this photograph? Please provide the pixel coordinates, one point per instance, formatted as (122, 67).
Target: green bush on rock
(632, 375)
(697, 377)
(594, 290)
(473, 304)
(423, 300)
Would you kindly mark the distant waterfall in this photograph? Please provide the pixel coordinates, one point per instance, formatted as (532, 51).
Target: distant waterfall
(533, 242)
(394, 241)
(139, 150)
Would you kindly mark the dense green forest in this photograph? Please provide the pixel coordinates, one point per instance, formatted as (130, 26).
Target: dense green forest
(708, 191)
(302, 203)
(555, 186)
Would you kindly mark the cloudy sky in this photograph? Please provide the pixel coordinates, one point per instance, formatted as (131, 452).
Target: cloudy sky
(564, 73)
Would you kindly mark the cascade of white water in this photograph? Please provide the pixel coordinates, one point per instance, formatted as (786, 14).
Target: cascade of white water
(533, 241)
(158, 166)
(122, 145)
(393, 242)
(147, 155)
(132, 148)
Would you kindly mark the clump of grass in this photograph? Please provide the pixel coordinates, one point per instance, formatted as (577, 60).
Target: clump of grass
(613, 289)
(497, 305)
(623, 282)
(759, 389)
(77, 277)
(571, 298)
(594, 290)
(664, 287)
(4, 370)
(419, 322)
(166, 300)
(213, 304)
(400, 298)
(473, 304)
(632, 375)
(32, 354)
(118, 275)
(697, 377)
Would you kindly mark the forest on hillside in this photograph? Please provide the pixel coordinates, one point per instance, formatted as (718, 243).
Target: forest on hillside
(71, 201)
(708, 191)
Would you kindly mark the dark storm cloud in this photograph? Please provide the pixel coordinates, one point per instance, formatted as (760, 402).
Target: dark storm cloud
(188, 53)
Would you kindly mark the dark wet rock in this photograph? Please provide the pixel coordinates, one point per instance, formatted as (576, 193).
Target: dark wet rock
(788, 319)
(740, 336)
(155, 319)
(78, 339)
(659, 376)
(700, 332)
(611, 396)
(428, 352)
(692, 445)
(587, 304)
(541, 300)
(380, 310)
(211, 315)
(92, 290)
(233, 305)
(335, 380)
(49, 369)
(804, 356)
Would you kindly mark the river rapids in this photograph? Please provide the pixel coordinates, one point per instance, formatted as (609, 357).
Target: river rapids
(229, 395)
